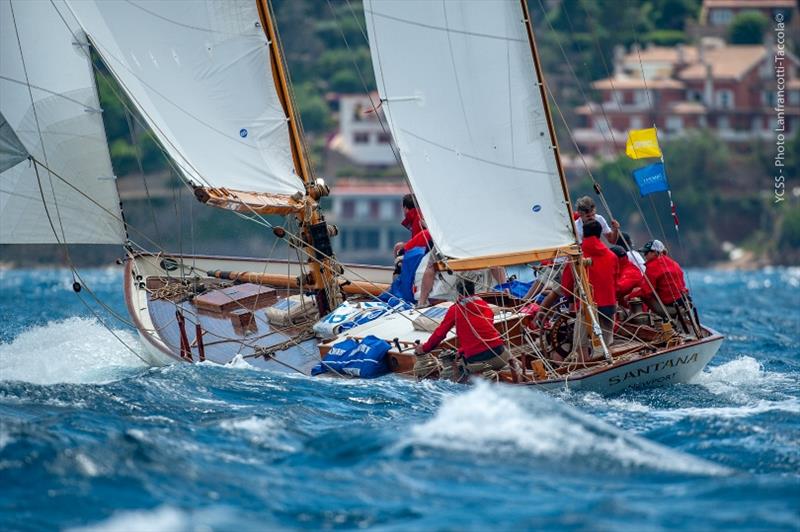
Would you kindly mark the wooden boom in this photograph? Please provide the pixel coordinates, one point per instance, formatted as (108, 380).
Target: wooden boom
(276, 279)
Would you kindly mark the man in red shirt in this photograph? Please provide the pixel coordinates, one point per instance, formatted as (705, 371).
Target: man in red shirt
(664, 278)
(413, 219)
(664, 274)
(629, 276)
(602, 281)
(479, 343)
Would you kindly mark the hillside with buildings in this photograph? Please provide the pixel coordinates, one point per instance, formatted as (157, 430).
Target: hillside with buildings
(719, 79)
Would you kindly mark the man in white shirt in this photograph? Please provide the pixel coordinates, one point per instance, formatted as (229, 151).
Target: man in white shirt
(587, 211)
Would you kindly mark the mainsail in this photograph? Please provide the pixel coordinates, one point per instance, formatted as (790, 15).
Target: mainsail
(199, 72)
(461, 95)
(49, 105)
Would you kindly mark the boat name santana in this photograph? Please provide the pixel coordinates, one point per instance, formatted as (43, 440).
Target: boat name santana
(653, 368)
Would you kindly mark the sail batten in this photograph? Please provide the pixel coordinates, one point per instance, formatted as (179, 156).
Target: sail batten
(65, 192)
(199, 73)
(461, 96)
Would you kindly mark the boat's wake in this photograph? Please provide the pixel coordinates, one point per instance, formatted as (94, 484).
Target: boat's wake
(75, 350)
(501, 420)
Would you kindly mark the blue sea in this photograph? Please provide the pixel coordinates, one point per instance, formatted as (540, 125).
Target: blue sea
(92, 439)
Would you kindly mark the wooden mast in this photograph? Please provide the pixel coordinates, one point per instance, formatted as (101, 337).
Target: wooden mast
(323, 275)
(580, 267)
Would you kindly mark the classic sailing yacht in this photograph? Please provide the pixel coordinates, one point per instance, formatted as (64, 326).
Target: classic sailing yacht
(461, 88)
(465, 100)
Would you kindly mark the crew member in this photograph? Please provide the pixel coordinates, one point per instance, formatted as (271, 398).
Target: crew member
(629, 276)
(479, 343)
(602, 272)
(664, 278)
(587, 212)
(634, 256)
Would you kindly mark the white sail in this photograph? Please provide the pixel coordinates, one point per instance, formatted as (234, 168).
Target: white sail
(199, 72)
(49, 100)
(460, 93)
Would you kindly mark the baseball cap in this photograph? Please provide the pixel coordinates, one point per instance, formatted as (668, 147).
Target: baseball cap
(653, 245)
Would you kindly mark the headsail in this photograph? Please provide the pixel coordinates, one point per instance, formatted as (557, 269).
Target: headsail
(199, 72)
(48, 97)
(462, 99)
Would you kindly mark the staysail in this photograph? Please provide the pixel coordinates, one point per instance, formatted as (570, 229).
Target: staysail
(199, 72)
(461, 95)
(50, 108)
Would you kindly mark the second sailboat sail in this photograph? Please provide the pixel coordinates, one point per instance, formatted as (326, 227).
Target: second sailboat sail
(461, 96)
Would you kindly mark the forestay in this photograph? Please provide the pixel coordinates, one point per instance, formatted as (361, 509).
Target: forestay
(199, 72)
(48, 98)
(460, 94)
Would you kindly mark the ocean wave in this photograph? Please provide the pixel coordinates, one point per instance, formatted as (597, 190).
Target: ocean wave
(488, 419)
(164, 519)
(75, 350)
(262, 431)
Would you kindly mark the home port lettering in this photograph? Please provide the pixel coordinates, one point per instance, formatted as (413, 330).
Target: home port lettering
(652, 369)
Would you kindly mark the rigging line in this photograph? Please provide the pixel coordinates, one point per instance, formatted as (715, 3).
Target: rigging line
(89, 198)
(137, 150)
(572, 137)
(39, 130)
(385, 130)
(439, 28)
(73, 270)
(48, 91)
(629, 186)
(181, 24)
(476, 158)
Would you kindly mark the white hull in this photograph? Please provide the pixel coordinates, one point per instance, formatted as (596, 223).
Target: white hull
(159, 351)
(670, 366)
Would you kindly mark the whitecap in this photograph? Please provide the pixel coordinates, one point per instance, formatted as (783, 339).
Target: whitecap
(163, 519)
(260, 431)
(492, 419)
(75, 350)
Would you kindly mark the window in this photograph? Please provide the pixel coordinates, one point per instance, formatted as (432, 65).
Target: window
(374, 209)
(387, 210)
(794, 98)
(723, 123)
(361, 137)
(694, 96)
(768, 98)
(674, 124)
(725, 99)
(720, 17)
(640, 98)
(362, 208)
(365, 238)
(757, 123)
(384, 138)
(348, 208)
(636, 122)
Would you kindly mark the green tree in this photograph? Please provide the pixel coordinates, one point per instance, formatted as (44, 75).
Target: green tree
(748, 27)
(314, 112)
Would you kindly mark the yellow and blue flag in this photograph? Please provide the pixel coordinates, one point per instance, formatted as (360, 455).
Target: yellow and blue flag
(642, 143)
(651, 178)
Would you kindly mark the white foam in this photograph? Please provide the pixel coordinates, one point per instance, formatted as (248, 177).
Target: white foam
(258, 430)
(491, 419)
(162, 519)
(739, 379)
(75, 350)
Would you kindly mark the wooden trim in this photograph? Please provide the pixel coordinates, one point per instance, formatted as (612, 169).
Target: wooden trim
(509, 259)
(249, 202)
(543, 91)
(281, 280)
